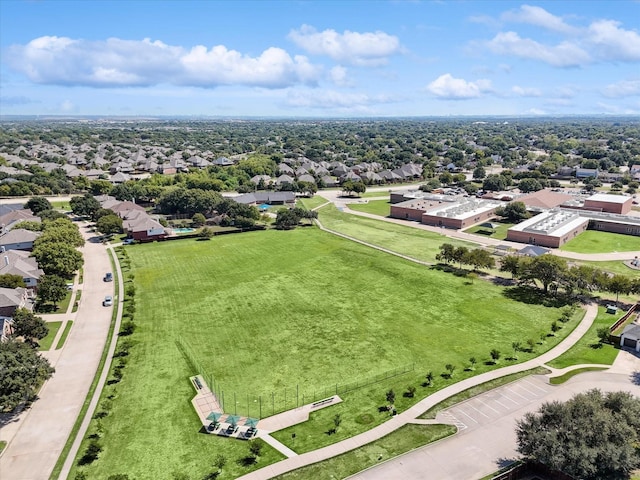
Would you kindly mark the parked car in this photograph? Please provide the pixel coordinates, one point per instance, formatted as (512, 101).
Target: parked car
(69, 286)
(108, 301)
(108, 277)
(128, 241)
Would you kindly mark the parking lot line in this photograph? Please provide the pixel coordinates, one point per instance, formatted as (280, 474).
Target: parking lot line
(534, 385)
(510, 399)
(516, 393)
(488, 406)
(502, 405)
(467, 415)
(481, 413)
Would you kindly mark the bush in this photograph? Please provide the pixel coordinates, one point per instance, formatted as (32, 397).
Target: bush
(91, 453)
(127, 329)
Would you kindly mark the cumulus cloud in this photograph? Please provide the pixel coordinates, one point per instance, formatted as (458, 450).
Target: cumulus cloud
(9, 100)
(327, 99)
(539, 17)
(338, 76)
(526, 91)
(565, 54)
(352, 48)
(449, 88)
(600, 41)
(117, 62)
(624, 88)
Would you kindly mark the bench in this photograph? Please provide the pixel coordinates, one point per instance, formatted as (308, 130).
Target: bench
(197, 383)
(320, 403)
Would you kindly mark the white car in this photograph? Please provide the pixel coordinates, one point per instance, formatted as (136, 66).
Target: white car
(108, 301)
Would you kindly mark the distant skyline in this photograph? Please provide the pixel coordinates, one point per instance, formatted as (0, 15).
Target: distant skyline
(327, 58)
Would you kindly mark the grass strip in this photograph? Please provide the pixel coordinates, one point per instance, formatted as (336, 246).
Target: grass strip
(479, 389)
(83, 411)
(313, 202)
(403, 440)
(593, 241)
(77, 301)
(563, 378)
(2, 445)
(45, 343)
(65, 334)
(81, 276)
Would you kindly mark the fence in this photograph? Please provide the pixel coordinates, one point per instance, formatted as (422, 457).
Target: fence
(624, 318)
(281, 400)
(527, 469)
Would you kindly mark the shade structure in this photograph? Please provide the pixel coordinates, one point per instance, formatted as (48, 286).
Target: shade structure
(251, 422)
(214, 416)
(232, 420)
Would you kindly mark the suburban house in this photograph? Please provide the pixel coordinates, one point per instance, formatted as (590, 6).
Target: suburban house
(136, 222)
(587, 172)
(18, 239)
(270, 198)
(18, 262)
(8, 220)
(11, 299)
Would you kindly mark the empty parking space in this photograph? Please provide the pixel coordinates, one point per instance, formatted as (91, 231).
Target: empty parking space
(497, 403)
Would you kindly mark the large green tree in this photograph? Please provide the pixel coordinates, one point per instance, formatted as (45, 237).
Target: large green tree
(84, 206)
(59, 259)
(546, 269)
(23, 371)
(513, 212)
(52, 289)
(109, 224)
(9, 280)
(28, 325)
(592, 436)
(38, 204)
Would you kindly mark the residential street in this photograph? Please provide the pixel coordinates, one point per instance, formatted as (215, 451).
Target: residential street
(37, 436)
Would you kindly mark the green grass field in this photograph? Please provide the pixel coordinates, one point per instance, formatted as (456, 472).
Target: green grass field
(375, 207)
(588, 349)
(563, 378)
(46, 342)
(65, 334)
(311, 203)
(500, 232)
(420, 244)
(323, 309)
(403, 440)
(593, 241)
(614, 267)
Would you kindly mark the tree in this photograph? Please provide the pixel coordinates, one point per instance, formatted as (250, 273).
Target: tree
(9, 280)
(546, 269)
(619, 284)
(511, 264)
(473, 362)
(32, 226)
(207, 233)
(59, 231)
(109, 224)
(390, 396)
(255, 447)
(604, 334)
(494, 183)
(337, 420)
(517, 346)
(429, 378)
(198, 219)
(23, 371)
(447, 253)
(450, 368)
(52, 289)
(38, 204)
(58, 259)
(28, 325)
(461, 255)
(479, 173)
(527, 185)
(84, 206)
(592, 436)
(287, 218)
(219, 462)
(480, 259)
(513, 212)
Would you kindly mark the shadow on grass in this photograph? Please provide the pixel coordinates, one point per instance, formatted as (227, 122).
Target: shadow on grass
(535, 296)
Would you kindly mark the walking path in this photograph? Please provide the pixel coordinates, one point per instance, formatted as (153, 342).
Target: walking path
(37, 436)
(411, 414)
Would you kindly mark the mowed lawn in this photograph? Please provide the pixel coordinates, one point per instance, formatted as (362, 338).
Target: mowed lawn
(593, 241)
(264, 311)
(375, 207)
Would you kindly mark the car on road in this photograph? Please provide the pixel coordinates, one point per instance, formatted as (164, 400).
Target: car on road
(108, 277)
(108, 301)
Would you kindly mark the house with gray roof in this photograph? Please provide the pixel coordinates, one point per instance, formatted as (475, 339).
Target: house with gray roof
(631, 337)
(18, 262)
(18, 239)
(12, 299)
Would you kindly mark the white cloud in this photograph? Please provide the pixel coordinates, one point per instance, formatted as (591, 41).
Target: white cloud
(354, 48)
(539, 17)
(448, 87)
(614, 43)
(327, 99)
(338, 76)
(526, 91)
(536, 111)
(117, 62)
(67, 106)
(624, 88)
(565, 54)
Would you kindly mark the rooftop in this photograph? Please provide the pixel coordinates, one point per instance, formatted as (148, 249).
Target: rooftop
(554, 223)
(605, 197)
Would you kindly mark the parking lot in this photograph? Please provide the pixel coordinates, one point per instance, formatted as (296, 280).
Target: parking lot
(495, 404)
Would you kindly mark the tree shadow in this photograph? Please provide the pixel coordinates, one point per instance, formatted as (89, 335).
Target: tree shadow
(247, 461)
(536, 296)
(505, 462)
(635, 378)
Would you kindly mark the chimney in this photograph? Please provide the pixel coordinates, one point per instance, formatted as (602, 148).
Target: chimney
(2, 249)
(6, 260)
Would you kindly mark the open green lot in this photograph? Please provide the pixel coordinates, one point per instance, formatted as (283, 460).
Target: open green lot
(593, 241)
(375, 207)
(323, 309)
(500, 232)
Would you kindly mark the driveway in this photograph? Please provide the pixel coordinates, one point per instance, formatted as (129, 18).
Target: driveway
(488, 440)
(40, 433)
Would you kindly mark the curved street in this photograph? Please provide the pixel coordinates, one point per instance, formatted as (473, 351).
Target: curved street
(37, 436)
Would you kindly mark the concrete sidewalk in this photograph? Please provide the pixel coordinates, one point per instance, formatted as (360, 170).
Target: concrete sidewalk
(43, 429)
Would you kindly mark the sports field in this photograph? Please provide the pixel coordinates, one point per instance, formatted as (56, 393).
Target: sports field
(265, 311)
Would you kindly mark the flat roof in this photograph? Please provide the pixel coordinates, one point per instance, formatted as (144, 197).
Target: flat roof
(464, 209)
(605, 197)
(553, 223)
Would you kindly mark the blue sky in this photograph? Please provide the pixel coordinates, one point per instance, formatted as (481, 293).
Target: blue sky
(319, 58)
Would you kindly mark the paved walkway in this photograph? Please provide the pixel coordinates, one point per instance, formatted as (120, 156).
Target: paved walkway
(36, 436)
(422, 406)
